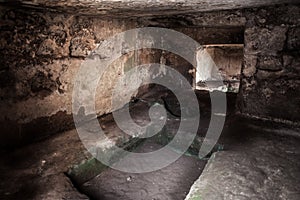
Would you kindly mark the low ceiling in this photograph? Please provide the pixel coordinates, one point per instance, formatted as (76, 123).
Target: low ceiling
(141, 7)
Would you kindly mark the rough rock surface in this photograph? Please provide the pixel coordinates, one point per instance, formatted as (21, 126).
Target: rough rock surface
(42, 51)
(270, 75)
(258, 166)
(253, 158)
(38, 171)
(170, 183)
(40, 56)
(142, 7)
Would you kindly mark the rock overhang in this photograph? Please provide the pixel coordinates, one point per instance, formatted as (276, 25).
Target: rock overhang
(125, 8)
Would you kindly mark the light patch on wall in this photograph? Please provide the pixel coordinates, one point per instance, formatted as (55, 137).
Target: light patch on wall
(219, 62)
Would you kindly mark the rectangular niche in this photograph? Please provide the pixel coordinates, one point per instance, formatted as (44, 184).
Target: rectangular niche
(219, 61)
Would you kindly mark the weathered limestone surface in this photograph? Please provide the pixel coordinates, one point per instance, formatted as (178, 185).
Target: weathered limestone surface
(215, 35)
(142, 7)
(270, 76)
(41, 53)
(40, 57)
(228, 18)
(261, 166)
(38, 171)
(229, 60)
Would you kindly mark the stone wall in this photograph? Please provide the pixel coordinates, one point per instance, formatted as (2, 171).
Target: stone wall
(228, 58)
(41, 52)
(271, 71)
(40, 56)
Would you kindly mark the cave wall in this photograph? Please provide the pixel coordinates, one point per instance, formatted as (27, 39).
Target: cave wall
(223, 27)
(41, 51)
(229, 60)
(271, 72)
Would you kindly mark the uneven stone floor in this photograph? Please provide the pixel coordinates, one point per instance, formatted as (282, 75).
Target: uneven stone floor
(37, 171)
(170, 183)
(255, 164)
